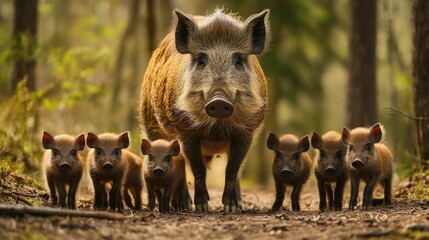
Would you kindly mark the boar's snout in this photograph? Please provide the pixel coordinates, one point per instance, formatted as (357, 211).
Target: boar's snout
(158, 171)
(65, 167)
(286, 172)
(107, 166)
(219, 107)
(330, 171)
(357, 163)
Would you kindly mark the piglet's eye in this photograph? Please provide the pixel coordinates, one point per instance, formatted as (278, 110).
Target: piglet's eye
(368, 147)
(338, 154)
(73, 153)
(351, 148)
(98, 152)
(168, 159)
(55, 152)
(150, 158)
(116, 152)
(295, 157)
(322, 154)
(278, 155)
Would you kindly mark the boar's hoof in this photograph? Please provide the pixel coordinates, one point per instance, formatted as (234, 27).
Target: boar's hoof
(219, 107)
(357, 163)
(229, 208)
(330, 171)
(202, 207)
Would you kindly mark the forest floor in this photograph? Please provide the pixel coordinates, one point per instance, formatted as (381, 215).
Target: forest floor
(406, 218)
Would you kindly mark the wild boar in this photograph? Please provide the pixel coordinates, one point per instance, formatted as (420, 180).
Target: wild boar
(111, 162)
(63, 166)
(291, 166)
(330, 168)
(165, 175)
(370, 161)
(205, 87)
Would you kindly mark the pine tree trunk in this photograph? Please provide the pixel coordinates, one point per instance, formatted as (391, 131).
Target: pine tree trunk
(25, 39)
(362, 88)
(421, 76)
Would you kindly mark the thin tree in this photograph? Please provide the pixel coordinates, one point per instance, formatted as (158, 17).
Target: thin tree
(421, 76)
(362, 88)
(24, 42)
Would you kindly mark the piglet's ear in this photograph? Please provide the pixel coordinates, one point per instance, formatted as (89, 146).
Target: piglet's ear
(92, 140)
(345, 136)
(145, 147)
(273, 142)
(124, 140)
(47, 140)
(80, 142)
(174, 148)
(304, 144)
(376, 133)
(316, 140)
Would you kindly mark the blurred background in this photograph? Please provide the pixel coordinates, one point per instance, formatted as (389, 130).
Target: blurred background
(86, 61)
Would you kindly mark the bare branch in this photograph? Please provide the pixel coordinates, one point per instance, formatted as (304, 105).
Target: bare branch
(15, 210)
(396, 112)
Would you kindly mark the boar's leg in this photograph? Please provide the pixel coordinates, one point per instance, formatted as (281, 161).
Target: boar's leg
(71, 198)
(280, 195)
(158, 194)
(330, 195)
(192, 150)
(62, 193)
(388, 191)
(165, 200)
(115, 198)
(51, 184)
(127, 197)
(98, 194)
(295, 196)
(354, 179)
(322, 195)
(367, 193)
(339, 191)
(239, 198)
(150, 196)
(137, 198)
(238, 150)
(104, 199)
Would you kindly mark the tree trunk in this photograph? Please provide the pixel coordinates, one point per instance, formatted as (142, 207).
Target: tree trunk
(421, 76)
(25, 39)
(362, 89)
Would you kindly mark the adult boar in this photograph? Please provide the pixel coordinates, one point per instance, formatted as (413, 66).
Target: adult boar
(205, 87)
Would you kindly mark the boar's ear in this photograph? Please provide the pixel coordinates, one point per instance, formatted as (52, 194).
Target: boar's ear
(258, 29)
(304, 144)
(92, 140)
(184, 28)
(124, 140)
(174, 148)
(47, 140)
(80, 142)
(273, 142)
(145, 147)
(376, 133)
(345, 136)
(316, 140)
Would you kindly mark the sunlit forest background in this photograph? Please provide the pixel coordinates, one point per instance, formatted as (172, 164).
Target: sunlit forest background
(91, 57)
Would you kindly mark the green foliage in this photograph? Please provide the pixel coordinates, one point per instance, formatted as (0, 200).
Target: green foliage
(18, 121)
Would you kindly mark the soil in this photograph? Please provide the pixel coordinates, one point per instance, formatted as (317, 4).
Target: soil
(404, 219)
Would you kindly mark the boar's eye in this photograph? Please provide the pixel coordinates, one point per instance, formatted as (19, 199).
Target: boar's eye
(339, 154)
(368, 147)
(116, 152)
(322, 154)
(238, 61)
(98, 152)
(73, 153)
(168, 159)
(201, 61)
(295, 156)
(55, 152)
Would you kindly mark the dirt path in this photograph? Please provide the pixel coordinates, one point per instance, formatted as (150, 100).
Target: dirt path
(405, 219)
